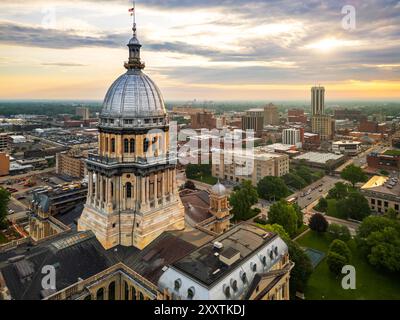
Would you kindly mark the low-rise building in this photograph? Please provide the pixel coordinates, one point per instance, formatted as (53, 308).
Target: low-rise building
(346, 147)
(320, 160)
(237, 166)
(4, 164)
(389, 160)
(71, 163)
(382, 193)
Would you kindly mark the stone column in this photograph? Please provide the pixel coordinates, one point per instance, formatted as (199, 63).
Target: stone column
(163, 188)
(143, 191)
(90, 188)
(155, 190)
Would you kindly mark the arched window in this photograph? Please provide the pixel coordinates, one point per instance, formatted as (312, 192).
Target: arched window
(141, 296)
(112, 145)
(100, 294)
(129, 190)
(146, 143)
(112, 189)
(132, 145)
(126, 146)
(133, 293)
(111, 291)
(88, 297)
(154, 143)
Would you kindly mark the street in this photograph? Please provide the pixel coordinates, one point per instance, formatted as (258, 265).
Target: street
(314, 191)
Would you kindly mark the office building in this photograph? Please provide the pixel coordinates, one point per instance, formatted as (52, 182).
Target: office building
(317, 101)
(253, 120)
(292, 137)
(271, 115)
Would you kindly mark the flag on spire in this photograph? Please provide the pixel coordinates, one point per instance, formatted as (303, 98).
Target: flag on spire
(132, 11)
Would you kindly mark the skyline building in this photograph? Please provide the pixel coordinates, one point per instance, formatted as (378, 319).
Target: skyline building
(317, 101)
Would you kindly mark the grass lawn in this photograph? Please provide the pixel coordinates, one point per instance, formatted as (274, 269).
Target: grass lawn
(370, 283)
(206, 179)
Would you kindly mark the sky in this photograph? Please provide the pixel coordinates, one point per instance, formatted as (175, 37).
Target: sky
(203, 49)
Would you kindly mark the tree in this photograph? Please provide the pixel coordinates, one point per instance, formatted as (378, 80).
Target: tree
(300, 215)
(242, 200)
(278, 229)
(340, 247)
(4, 200)
(305, 173)
(284, 214)
(353, 174)
(295, 181)
(318, 223)
(335, 262)
(322, 205)
(339, 191)
(391, 213)
(378, 238)
(337, 231)
(189, 185)
(355, 206)
(272, 188)
(385, 249)
(302, 268)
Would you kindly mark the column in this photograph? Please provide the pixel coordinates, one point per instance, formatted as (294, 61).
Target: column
(143, 191)
(147, 190)
(163, 187)
(155, 191)
(101, 191)
(90, 188)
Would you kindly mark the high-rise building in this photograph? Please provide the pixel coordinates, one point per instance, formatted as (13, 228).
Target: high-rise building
(323, 125)
(253, 120)
(133, 195)
(292, 136)
(271, 115)
(317, 101)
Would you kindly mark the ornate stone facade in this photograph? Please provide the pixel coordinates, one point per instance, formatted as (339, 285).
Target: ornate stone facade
(133, 196)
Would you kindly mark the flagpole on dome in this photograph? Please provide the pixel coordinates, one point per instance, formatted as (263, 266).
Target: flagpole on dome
(133, 14)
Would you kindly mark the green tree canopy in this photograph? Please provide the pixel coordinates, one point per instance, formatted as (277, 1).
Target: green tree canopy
(335, 262)
(379, 239)
(355, 206)
(337, 231)
(339, 191)
(318, 223)
(340, 247)
(4, 200)
(242, 200)
(272, 188)
(284, 214)
(353, 174)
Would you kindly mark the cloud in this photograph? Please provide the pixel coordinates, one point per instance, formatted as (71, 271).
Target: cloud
(63, 64)
(30, 36)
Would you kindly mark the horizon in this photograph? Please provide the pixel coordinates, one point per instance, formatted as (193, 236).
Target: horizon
(257, 51)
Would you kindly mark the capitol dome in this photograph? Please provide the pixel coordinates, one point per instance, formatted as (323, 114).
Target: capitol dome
(133, 99)
(133, 95)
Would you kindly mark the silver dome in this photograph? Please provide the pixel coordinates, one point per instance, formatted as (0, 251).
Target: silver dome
(219, 189)
(133, 95)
